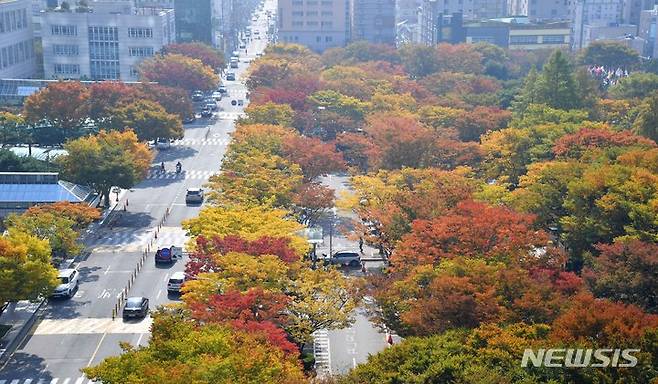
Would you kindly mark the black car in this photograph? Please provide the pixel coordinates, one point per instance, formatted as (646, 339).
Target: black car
(206, 112)
(197, 96)
(136, 307)
(230, 76)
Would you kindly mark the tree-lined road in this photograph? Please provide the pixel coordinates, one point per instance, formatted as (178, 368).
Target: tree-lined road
(76, 333)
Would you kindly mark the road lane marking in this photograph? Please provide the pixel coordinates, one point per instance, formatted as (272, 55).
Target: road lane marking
(66, 381)
(354, 362)
(28, 381)
(15, 381)
(107, 270)
(80, 380)
(53, 381)
(166, 277)
(97, 348)
(139, 340)
(158, 295)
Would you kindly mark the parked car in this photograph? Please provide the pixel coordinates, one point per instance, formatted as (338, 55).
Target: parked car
(197, 96)
(243, 46)
(164, 255)
(68, 283)
(212, 105)
(230, 76)
(136, 307)
(175, 282)
(217, 95)
(222, 89)
(351, 258)
(163, 143)
(194, 195)
(189, 119)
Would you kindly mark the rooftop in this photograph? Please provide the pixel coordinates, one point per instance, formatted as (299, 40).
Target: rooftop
(39, 187)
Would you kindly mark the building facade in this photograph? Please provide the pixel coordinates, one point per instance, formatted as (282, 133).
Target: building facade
(17, 57)
(587, 13)
(540, 10)
(374, 21)
(317, 24)
(105, 44)
(632, 10)
(647, 31)
(470, 9)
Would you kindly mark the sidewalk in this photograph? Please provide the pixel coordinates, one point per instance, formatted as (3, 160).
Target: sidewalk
(23, 314)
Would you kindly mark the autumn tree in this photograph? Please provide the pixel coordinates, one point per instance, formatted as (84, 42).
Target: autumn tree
(175, 101)
(147, 119)
(310, 201)
(313, 156)
(208, 55)
(179, 352)
(9, 128)
(26, 272)
(625, 271)
(57, 229)
(105, 96)
(419, 60)
(471, 230)
(647, 121)
(63, 104)
(458, 58)
(105, 160)
(269, 113)
(81, 214)
(250, 223)
(178, 71)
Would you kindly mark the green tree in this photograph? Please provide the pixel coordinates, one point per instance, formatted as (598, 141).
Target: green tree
(105, 160)
(25, 269)
(9, 124)
(58, 230)
(10, 162)
(418, 60)
(646, 123)
(148, 119)
(556, 86)
(610, 54)
(637, 85)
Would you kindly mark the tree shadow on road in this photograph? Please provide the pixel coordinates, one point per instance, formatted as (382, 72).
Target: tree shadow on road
(26, 365)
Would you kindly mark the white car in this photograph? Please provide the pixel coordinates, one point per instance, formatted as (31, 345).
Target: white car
(175, 282)
(163, 143)
(217, 95)
(68, 283)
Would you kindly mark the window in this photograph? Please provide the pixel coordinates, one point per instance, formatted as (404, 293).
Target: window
(311, 23)
(65, 50)
(312, 13)
(297, 13)
(134, 72)
(297, 3)
(327, 24)
(67, 69)
(327, 13)
(327, 3)
(297, 23)
(328, 39)
(103, 34)
(523, 39)
(141, 51)
(553, 39)
(312, 2)
(482, 39)
(140, 32)
(64, 30)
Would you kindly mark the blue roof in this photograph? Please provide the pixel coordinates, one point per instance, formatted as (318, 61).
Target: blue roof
(42, 193)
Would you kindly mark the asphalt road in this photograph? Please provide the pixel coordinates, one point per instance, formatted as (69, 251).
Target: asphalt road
(80, 332)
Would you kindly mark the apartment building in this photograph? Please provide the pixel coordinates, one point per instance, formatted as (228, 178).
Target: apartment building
(17, 58)
(470, 9)
(317, 24)
(106, 43)
(588, 13)
(647, 31)
(632, 10)
(374, 21)
(540, 10)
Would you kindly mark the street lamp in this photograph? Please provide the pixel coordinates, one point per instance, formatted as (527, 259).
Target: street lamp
(116, 190)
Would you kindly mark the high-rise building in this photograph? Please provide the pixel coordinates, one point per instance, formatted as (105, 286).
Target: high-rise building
(108, 41)
(539, 10)
(587, 13)
(17, 58)
(633, 9)
(648, 31)
(374, 21)
(470, 9)
(317, 24)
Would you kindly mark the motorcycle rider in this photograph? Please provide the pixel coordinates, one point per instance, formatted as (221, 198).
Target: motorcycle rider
(162, 167)
(179, 167)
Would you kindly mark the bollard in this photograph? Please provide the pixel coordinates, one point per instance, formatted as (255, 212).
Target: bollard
(124, 208)
(113, 314)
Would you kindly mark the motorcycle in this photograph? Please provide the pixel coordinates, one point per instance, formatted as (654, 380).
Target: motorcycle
(179, 168)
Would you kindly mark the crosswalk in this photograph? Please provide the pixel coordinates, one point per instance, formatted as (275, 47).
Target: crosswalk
(129, 240)
(88, 326)
(230, 115)
(322, 353)
(196, 142)
(184, 175)
(55, 380)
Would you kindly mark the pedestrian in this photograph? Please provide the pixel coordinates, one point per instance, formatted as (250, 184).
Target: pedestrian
(361, 244)
(389, 339)
(363, 268)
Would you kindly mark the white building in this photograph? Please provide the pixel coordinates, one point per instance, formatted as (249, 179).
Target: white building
(105, 43)
(17, 58)
(542, 10)
(589, 13)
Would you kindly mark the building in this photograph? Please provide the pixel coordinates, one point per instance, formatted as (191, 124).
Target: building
(213, 22)
(518, 33)
(632, 10)
(647, 31)
(542, 10)
(470, 9)
(194, 21)
(586, 13)
(106, 43)
(317, 24)
(373, 21)
(22, 190)
(17, 56)
(593, 33)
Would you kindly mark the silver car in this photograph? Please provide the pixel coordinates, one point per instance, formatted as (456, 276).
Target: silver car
(351, 258)
(194, 195)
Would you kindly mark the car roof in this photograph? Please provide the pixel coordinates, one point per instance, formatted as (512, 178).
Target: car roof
(178, 275)
(194, 189)
(345, 252)
(66, 272)
(135, 300)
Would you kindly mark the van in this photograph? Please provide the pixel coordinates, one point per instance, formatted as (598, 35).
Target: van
(176, 282)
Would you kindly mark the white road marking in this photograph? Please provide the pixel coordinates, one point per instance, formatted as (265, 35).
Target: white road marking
(53, 381)
(91, 326)
(354, 362)
(166, 277)
(158, 295)
(80, 380)
(107, 270)
(139, 340)
(93, 356)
